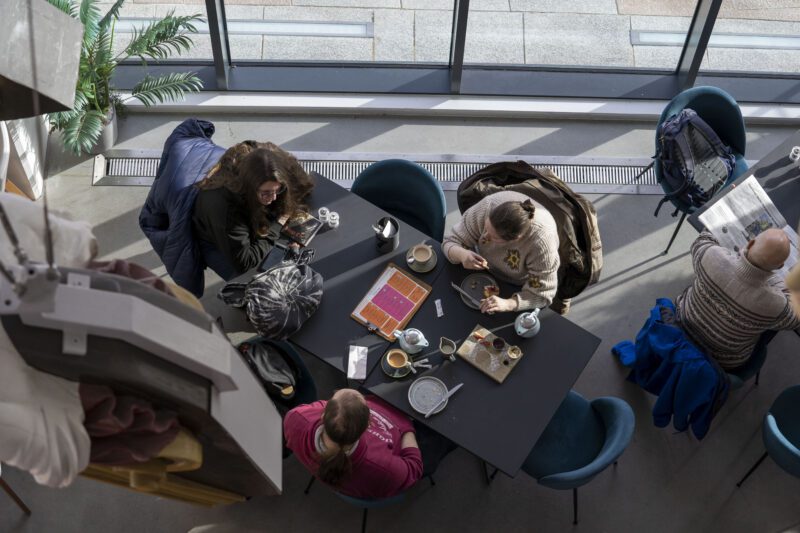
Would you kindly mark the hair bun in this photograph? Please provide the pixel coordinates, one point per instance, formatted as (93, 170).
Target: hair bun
(528, 207)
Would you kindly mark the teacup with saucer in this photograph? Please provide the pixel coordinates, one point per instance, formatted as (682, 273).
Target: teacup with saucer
(421, 258)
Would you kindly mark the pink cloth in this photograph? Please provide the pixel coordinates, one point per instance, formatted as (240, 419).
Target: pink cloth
(380, 467)
(123, 429)
(121, 267)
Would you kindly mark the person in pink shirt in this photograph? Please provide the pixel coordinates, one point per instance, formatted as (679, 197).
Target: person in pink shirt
(360, 446)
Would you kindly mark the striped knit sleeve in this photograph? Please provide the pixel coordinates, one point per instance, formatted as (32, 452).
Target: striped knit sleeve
(542, 264)
(701, 244)
(468, 230)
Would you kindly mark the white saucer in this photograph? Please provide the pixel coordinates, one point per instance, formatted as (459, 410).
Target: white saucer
(415, 266)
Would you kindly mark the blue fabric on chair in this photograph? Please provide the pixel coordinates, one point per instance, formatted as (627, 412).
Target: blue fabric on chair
(582, 439)
(722, 113)
(407, 191)
(781, 431)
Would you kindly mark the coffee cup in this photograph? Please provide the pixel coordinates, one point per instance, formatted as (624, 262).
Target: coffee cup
(421, 257)
(397, 359)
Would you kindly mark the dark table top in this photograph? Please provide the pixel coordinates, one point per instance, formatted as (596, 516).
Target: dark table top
(500, 423)
(349, 262)
(778, 175)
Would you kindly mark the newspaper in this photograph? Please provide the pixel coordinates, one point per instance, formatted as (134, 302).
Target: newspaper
(744, 212)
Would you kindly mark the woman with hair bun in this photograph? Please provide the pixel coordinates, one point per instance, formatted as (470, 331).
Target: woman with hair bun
(516, 239)
(243, 202)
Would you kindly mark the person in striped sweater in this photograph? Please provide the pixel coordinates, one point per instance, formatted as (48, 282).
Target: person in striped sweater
(735, 297)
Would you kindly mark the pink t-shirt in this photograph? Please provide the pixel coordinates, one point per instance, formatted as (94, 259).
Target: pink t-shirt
(380, 467)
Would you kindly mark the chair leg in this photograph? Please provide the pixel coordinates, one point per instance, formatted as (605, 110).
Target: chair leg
(747, 475)
(758, 374)
(675, 233)
(310, 482)
(433, 481)
(14, 497)
(364, 521)
(488, 477)
(575, 505)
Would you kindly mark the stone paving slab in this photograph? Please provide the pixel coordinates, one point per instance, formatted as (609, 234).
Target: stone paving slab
(563, 39)
(394, 35)
(432, 36)
(348, 3)
(657, 7)
(318, 14)
(494, 37)
(447, 5)
(762, 27)
(671, 24)
(317, 48)
(661, 57)
(130, 10)
(246, 46)
(752, 60)
(608, 7)
(258, 2)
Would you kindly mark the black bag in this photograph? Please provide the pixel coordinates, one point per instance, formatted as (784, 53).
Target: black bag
(695, 163)
(276, 373)
(279, 300)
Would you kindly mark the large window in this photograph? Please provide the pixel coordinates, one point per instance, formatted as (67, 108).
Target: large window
(577, 33)
(753, 36)
(645, 49)
(414, 31)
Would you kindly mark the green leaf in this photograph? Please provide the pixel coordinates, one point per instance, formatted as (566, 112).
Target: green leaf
(82, 131)
(112, 14)
(90, 17)
(66, 6)
(160, 39)
(169, 87)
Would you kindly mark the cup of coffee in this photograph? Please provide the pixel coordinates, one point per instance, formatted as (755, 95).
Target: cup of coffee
(420, 256)
(397, 359)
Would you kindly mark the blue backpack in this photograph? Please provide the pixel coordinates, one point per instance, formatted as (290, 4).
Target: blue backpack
(695, 163)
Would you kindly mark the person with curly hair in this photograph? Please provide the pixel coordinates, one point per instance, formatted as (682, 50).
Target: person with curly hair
(243, 202)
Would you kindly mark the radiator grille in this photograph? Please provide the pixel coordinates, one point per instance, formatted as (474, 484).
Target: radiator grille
(587, 175)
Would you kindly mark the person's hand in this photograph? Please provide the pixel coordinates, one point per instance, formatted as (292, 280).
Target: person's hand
(472, 261)
(495, 304)
(282, 220)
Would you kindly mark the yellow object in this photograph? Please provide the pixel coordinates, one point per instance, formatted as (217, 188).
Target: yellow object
(183, 454)
(185, 296)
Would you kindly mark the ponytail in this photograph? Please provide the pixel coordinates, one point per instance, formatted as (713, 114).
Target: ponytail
(345, 418)
(334, 467)
(512, 220)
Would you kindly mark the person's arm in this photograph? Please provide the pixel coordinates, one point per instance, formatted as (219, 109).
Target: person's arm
(703, 242)
(459, 244)
(247, 252)
(408, 440)
(542, 270)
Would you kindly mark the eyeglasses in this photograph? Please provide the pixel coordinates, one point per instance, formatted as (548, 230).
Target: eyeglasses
(272, 192)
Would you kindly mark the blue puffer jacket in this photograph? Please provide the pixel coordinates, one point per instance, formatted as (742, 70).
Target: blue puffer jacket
(691, 386)
(166, 218)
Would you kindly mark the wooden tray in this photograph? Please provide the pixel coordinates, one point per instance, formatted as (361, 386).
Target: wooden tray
(495, 364)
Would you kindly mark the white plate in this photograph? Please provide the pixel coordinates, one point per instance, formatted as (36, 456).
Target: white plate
(425, 392)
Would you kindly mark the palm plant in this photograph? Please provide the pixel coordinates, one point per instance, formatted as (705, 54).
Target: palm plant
(95, 96)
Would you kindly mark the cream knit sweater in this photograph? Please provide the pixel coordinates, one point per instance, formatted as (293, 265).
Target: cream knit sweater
(731, 303)
(531, 261)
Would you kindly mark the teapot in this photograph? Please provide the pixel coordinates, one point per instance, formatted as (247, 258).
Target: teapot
(411, 340)
(527, 324)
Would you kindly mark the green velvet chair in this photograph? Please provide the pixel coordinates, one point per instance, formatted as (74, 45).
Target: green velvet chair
(781, 433)
(582, 439)
(407, 191)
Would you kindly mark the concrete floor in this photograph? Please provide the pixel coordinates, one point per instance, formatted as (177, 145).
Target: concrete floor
(664, 482)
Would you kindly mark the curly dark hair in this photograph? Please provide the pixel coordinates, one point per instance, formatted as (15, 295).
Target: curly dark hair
(244, 167)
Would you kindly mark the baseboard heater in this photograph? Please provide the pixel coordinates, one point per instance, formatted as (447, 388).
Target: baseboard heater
(584, 174)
